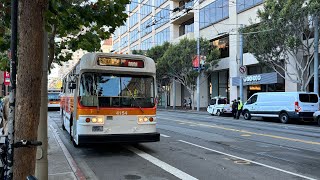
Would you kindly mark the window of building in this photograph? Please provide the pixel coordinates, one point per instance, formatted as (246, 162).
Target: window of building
(133, 20)
(146, 9)
(186, 27)
(146, 27)
(124, 42)
(134, 35)
(214, 12)
(158, 3)
(116, 34)
(146, 44)
(162, 17)
(223, 45)
(247, 4)
(123, 29)
(133, 5)
(186, 4)
(116, 46)
(135, 47)
(162, 36)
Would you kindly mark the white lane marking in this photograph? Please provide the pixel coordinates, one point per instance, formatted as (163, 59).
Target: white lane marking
(163, 135)
(167, 167)
(253, 162)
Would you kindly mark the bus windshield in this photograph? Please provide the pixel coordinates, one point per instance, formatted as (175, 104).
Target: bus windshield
(53, 97)
(112, 90)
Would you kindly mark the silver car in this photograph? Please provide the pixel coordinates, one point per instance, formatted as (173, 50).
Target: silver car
(316, 117)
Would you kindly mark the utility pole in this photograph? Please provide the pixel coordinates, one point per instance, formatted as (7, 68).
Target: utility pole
(42, 151)
(241, 62)
(198, 56)
(174, 94)
(13, 74)
(316, 54)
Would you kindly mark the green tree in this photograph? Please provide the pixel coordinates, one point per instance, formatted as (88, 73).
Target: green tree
(81, 24)
(284, 40)
(4, 62)
(4, 34)
(139, 52)
(156, 53)
(176, 63)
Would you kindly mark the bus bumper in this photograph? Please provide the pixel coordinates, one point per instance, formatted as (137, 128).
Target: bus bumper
(119, 138)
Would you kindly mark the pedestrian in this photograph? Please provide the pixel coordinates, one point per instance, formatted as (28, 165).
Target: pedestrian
(234, 108)
(240, 105)
(184, 103)
(190, 103)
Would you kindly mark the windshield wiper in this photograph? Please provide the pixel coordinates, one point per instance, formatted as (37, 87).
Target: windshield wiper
(97, 92)
(134, 98)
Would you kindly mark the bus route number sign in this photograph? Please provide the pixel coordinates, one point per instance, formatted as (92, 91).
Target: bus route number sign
(108, 61)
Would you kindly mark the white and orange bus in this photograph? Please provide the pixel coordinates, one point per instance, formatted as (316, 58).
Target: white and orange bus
(110, 98)
(53, 99)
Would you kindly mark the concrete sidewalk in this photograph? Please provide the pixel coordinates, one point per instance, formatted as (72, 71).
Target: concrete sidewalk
(59, 167)
(61, 164)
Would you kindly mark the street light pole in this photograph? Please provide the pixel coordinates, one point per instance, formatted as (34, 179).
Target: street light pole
(199, 68)
(13, 74)
(241, 63)
(316, 55)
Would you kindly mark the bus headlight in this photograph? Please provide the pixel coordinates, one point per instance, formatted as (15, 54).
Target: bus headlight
(140, 119)
(100, 120)
(145, 119)
(94, 120)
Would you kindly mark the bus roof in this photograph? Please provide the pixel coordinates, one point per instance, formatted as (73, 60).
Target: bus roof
(88, 62)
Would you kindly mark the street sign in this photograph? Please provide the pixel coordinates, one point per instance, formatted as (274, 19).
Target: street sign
(242, 69)
(6, 77)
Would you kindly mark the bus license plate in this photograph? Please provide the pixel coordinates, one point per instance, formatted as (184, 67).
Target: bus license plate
(97, 128)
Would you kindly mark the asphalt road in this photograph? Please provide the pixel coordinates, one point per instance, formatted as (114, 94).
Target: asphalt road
(201, 146)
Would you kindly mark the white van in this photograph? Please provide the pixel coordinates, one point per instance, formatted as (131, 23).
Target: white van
(283, 105)
(218, 106)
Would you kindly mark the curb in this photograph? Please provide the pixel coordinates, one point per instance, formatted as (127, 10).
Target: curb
(192, 112)
(76, 170)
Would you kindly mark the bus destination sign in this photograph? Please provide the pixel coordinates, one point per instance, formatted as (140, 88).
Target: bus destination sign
(104, 61)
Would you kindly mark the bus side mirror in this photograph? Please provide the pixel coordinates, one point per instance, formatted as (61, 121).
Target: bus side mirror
(72, 85)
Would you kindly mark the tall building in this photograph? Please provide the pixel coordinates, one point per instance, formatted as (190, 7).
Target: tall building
(152, 22)
(107, 45)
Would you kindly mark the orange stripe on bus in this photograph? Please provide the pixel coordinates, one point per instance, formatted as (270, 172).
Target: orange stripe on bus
(116, 111)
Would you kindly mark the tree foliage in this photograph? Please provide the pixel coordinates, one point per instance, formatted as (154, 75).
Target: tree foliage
(4, 62)
(72, 25)
(284, 40)
(81, 24)
(176, 61)
(4, 34)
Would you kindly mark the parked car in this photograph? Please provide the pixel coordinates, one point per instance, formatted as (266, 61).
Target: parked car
(316, 117)
(283, 105)
(218, 106)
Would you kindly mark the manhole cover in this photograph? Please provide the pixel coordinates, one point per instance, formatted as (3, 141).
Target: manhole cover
(241, 162)
(132, 177)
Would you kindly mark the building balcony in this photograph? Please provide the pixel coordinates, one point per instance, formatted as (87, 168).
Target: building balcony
(182, 16)
(189, 35)
(183, 13)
